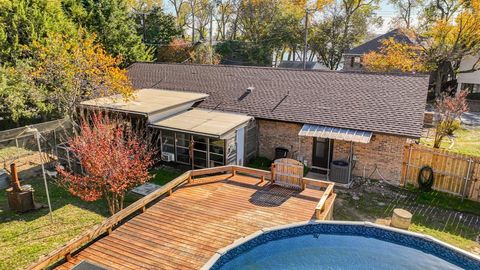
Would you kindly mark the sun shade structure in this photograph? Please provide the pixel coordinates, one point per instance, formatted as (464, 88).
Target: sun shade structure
(344, 134)
(147, 101)
(204, 122)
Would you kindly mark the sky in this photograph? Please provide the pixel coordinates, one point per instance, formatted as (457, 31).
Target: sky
(387, 12)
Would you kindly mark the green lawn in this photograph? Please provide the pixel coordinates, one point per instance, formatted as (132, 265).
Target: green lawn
(466, 141)
(25, 237)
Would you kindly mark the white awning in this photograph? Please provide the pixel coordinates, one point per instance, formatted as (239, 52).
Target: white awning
(343, 134)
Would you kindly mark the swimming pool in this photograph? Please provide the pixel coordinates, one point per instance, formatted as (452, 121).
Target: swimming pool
(340, 245)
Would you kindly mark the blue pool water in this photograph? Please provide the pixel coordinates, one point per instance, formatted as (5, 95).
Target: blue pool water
(322, 246)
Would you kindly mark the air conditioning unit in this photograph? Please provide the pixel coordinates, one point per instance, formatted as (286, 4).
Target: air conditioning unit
(168, 157)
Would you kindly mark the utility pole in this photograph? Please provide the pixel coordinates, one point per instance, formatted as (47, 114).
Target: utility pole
(305, 45)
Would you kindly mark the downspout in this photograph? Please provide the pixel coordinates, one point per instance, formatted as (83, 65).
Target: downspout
(350, 162)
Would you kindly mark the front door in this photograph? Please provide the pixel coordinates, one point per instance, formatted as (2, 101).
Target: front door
(322, 155)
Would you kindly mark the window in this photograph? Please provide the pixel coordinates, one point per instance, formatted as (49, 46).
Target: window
(168, 141)
(182, 144)
(472, 88)
(217, 152)
(200, 146)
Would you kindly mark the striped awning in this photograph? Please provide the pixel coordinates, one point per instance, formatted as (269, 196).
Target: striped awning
(344, 134)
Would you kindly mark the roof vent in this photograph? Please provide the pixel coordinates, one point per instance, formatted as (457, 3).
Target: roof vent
(246, 93)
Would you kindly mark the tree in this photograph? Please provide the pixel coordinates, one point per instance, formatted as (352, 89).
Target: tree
(204, 54)
(25, 21)
(396, 56)
(114, 158)
(72, 70)
(177, 51)
(449, 109)
(405, 8)
(344, 24)
(110, 20)
(450, 31)
(20, 100)
(156, 27)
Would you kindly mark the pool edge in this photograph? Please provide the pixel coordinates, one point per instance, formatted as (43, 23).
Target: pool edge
(218, 254)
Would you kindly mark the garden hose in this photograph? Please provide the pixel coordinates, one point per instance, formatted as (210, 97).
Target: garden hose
(425, 178)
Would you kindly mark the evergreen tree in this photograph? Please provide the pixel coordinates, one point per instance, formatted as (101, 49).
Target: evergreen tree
(110, 20)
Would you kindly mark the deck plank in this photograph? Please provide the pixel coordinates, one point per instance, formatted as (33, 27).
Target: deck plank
(183, 231)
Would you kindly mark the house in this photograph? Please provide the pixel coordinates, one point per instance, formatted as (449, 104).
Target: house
(309, 65)
(230, 114)
(353, 57)
(470, 80)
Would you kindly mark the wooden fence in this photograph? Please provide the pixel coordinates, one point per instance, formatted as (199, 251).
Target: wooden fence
(140, 206)
(453, 173)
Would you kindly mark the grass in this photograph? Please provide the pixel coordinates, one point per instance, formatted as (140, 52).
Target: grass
(466, 141)
(373, 203)
(455, 240)
(261, 163)
(25, 237)
(164, 175)
(12, 151)
(446, 201)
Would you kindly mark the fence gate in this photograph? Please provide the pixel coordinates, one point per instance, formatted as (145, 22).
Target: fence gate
(288, 172)
(453, 173)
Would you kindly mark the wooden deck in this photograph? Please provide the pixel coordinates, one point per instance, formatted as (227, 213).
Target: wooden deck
(183, 230)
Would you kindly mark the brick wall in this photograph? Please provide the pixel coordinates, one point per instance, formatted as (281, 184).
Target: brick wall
(272, 134)
(384, 152)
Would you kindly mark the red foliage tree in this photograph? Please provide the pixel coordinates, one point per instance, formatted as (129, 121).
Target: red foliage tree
(449, 109)
(114, 159)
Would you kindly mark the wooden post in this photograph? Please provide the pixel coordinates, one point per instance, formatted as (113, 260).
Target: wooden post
(15, 181)
(467, 178)
(68, 257)
(273, 172)
(169, 192)
(143, 209)
(407, 165)
(234, 172)
(262, 179)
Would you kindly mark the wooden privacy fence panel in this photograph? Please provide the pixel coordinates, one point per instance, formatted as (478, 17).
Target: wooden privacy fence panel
(288, 172)
(453, 173)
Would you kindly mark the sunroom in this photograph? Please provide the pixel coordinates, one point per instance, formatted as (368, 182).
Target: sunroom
(206, 138)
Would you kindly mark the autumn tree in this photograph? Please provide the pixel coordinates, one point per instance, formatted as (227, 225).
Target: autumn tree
(396, 56)
(450, 32)
(449, 109)
(73, 70)
(114, 159)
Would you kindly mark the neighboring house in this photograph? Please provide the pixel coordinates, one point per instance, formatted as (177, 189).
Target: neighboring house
(470, 80)
(310, 65)
(231, 114)
(353, 58)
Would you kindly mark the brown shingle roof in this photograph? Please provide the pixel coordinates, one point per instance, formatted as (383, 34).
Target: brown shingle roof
(385, 103)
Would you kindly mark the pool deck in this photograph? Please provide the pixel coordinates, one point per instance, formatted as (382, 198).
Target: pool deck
(185, 229)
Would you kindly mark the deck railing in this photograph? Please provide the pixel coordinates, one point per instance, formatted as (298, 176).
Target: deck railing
(106, 227)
